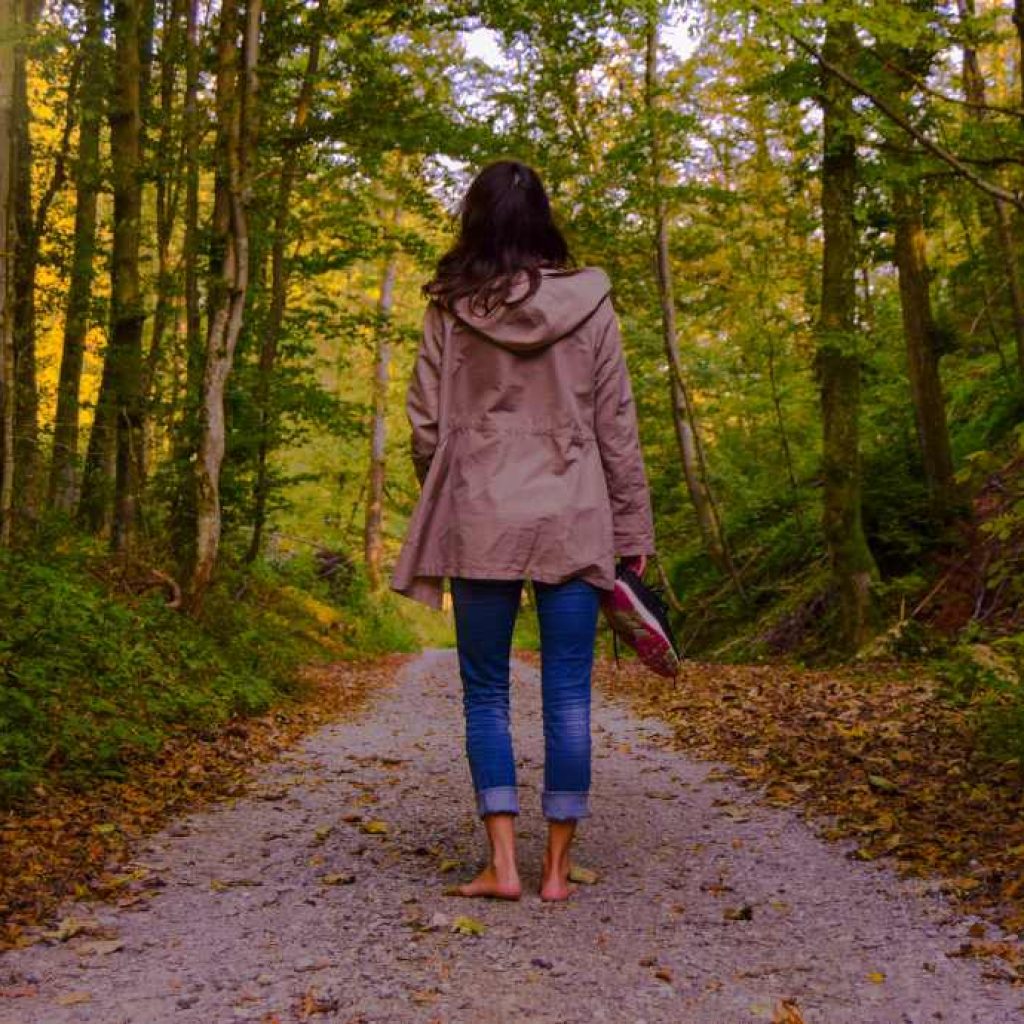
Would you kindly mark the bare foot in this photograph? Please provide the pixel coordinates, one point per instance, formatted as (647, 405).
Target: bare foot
(554, 883)
(490, 884)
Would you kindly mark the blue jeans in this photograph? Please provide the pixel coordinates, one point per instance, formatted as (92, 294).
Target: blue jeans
(485, 614)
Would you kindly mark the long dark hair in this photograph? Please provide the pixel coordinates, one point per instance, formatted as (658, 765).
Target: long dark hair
(506, 228)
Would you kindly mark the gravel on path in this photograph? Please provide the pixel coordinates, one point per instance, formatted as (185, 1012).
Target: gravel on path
(319, 896)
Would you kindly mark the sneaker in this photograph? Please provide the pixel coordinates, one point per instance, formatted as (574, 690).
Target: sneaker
(638, 614)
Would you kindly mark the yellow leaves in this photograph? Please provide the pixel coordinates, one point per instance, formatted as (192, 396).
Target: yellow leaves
(583, 876)
(468, 926)
(375, 827)
(338, 878)
(321, 832)
(876, 977)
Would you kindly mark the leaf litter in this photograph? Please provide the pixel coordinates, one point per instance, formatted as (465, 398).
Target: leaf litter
(874, 755)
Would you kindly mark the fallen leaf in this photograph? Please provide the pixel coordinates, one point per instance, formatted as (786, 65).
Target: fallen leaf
(787, 1012)
(100, 946)
(73, 998)
(877, 977)
(583, 876)
(69, 927)
(338, 878)
(376, 827)
(18, 991)
(882, 784)
(468, 926)
(744, 913)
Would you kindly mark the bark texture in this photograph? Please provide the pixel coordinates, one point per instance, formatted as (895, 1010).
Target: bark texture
(8, 239)
(127, 313)
(64, 465)
(838, 363)
(236, 94)
(920, 335)
(373, 533)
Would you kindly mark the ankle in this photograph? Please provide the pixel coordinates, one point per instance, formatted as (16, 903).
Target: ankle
(556, 860)
(504, 864)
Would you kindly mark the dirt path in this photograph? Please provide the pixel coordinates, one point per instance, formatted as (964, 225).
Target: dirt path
(242, 927)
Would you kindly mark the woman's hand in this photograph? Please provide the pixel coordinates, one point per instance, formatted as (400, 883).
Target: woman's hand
(635, 562)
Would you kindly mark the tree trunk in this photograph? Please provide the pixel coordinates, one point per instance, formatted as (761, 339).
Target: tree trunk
(688, 437)
(1018, 21)
(838, 362)
(910, 254)
(922, 346)
(26, 254)
(168, 190)
(124, 352)
(999, 222)
(279, 289)
(63, 470)
(8, 240)
(235, 99)
(183, 504)
(373, 535)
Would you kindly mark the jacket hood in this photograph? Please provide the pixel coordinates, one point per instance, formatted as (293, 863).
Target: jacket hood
(563, 301)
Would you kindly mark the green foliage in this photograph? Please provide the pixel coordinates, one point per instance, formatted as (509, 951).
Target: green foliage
(988, 680)
(92, 679)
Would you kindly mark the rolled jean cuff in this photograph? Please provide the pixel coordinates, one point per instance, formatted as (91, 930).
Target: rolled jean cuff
(563, 806)
(497, 800)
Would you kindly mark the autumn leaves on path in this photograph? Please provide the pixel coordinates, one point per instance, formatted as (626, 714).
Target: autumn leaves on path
(319, 895)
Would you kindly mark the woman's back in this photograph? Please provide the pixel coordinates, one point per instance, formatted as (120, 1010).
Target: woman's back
(536, 471)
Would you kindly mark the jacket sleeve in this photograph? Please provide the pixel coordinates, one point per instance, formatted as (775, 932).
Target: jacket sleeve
(421, 401)
(619, 443)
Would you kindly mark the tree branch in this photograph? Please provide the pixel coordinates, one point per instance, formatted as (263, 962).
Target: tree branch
(1015, 199)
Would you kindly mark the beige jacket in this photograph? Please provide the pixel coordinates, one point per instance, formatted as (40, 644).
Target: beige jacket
(524, 439)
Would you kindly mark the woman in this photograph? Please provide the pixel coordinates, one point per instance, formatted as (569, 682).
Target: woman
(524, 440)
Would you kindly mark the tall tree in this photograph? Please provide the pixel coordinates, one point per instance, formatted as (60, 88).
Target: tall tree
(270, 338)
(921, 336)
(691, 450)
(8, 238)
(63, 471)
(124, 354)
(837, 357)
(910, 250)
(373, 533)
(26, 257)
(236, 97)
(169, 172)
